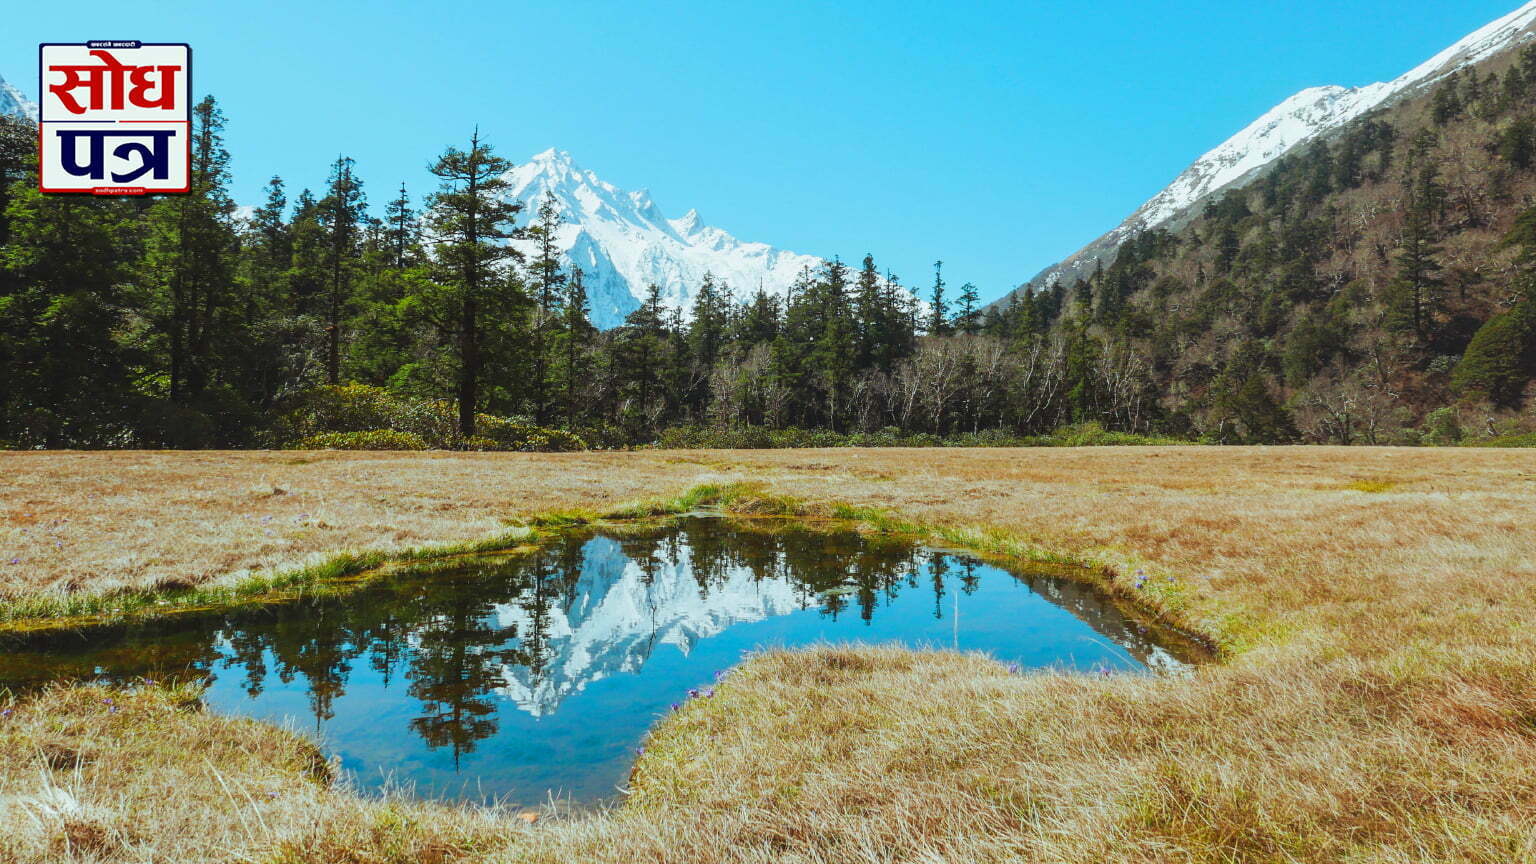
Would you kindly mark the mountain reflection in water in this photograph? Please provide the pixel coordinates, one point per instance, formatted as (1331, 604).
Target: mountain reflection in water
(520, 675)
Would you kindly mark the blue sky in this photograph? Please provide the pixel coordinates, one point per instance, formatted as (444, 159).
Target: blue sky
(997, 136)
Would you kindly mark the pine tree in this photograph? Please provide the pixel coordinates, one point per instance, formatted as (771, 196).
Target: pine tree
(868, 313)
(969, 319)
(402, 228)
(189, 261)
(547, 281)
(836, 343)
(707, 335)
(578, 333)
(471, 222)
(938, 312)
(1414, 293)
(341, 214)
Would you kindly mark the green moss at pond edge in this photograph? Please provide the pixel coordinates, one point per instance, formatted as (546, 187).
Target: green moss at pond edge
(1167, 599)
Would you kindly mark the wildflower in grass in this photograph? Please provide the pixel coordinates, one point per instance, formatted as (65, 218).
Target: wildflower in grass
(676, 706)
(1013, 668)
(5, 713)
(707, 692)
(15, 560)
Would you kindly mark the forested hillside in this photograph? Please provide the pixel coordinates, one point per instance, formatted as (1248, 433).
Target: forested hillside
(1375, 288)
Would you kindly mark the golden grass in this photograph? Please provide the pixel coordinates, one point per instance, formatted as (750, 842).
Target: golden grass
(1378, 702)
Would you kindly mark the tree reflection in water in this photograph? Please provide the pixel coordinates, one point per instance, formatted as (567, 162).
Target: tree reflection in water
(471, 636)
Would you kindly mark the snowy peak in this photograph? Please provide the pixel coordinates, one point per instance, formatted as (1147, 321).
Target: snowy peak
(1304, 117)
(1318, 110)
(688, 224)
(14, 103)
(624, 243)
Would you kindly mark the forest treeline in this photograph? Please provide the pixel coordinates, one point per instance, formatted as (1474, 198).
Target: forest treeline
(1374, 288)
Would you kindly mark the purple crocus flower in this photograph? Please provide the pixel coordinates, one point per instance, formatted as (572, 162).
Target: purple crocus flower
(693, 693)
(676, 706)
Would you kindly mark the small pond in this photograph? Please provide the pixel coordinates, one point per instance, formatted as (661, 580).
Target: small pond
(512, 677)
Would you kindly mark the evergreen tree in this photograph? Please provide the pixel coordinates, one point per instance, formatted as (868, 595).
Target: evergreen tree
(68, 382)
(188, 262)
(578, 334)
(471, 222)
(402, 229)
(1414, 293)
(547, 281)
(340, 214)
(969, 319)
(938, 312)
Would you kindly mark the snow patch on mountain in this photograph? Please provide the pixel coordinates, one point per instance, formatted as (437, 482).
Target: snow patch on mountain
(623, 242)
(1302, 118)
(15, 103)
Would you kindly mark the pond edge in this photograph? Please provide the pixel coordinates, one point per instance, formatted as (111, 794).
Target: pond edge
(1165, 599)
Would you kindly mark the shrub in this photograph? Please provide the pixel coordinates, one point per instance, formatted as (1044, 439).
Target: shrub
(370, 439)
(1501, 357)
(1442, 426)
(327, 415)
(500, 433)
(364, 408)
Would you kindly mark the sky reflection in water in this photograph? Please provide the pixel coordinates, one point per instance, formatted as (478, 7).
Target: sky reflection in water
(512, 677)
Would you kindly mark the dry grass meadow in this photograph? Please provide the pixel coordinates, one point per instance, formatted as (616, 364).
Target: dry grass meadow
(1377, 702)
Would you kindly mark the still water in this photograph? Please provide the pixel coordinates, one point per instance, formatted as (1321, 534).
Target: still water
(519, 676)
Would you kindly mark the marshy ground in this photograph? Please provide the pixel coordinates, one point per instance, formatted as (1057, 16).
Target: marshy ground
(1377, 701)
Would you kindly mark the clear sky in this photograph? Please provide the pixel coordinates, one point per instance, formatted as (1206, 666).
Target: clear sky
(999, 137)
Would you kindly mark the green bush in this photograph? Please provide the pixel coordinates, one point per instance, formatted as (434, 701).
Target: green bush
(1442, 426)
(1501, 357)
(364, 408)
(499, 433)
(369, 439)
(328, 415)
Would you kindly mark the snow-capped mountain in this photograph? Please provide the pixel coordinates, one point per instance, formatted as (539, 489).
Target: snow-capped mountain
(1311, 114)
(623, 242)
(621, 614)
(15, 103)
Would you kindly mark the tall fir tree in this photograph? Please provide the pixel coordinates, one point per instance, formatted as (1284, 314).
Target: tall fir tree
(471, 220)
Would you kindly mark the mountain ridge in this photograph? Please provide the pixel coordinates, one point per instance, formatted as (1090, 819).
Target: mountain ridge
(623, 242)
(1306, 116)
